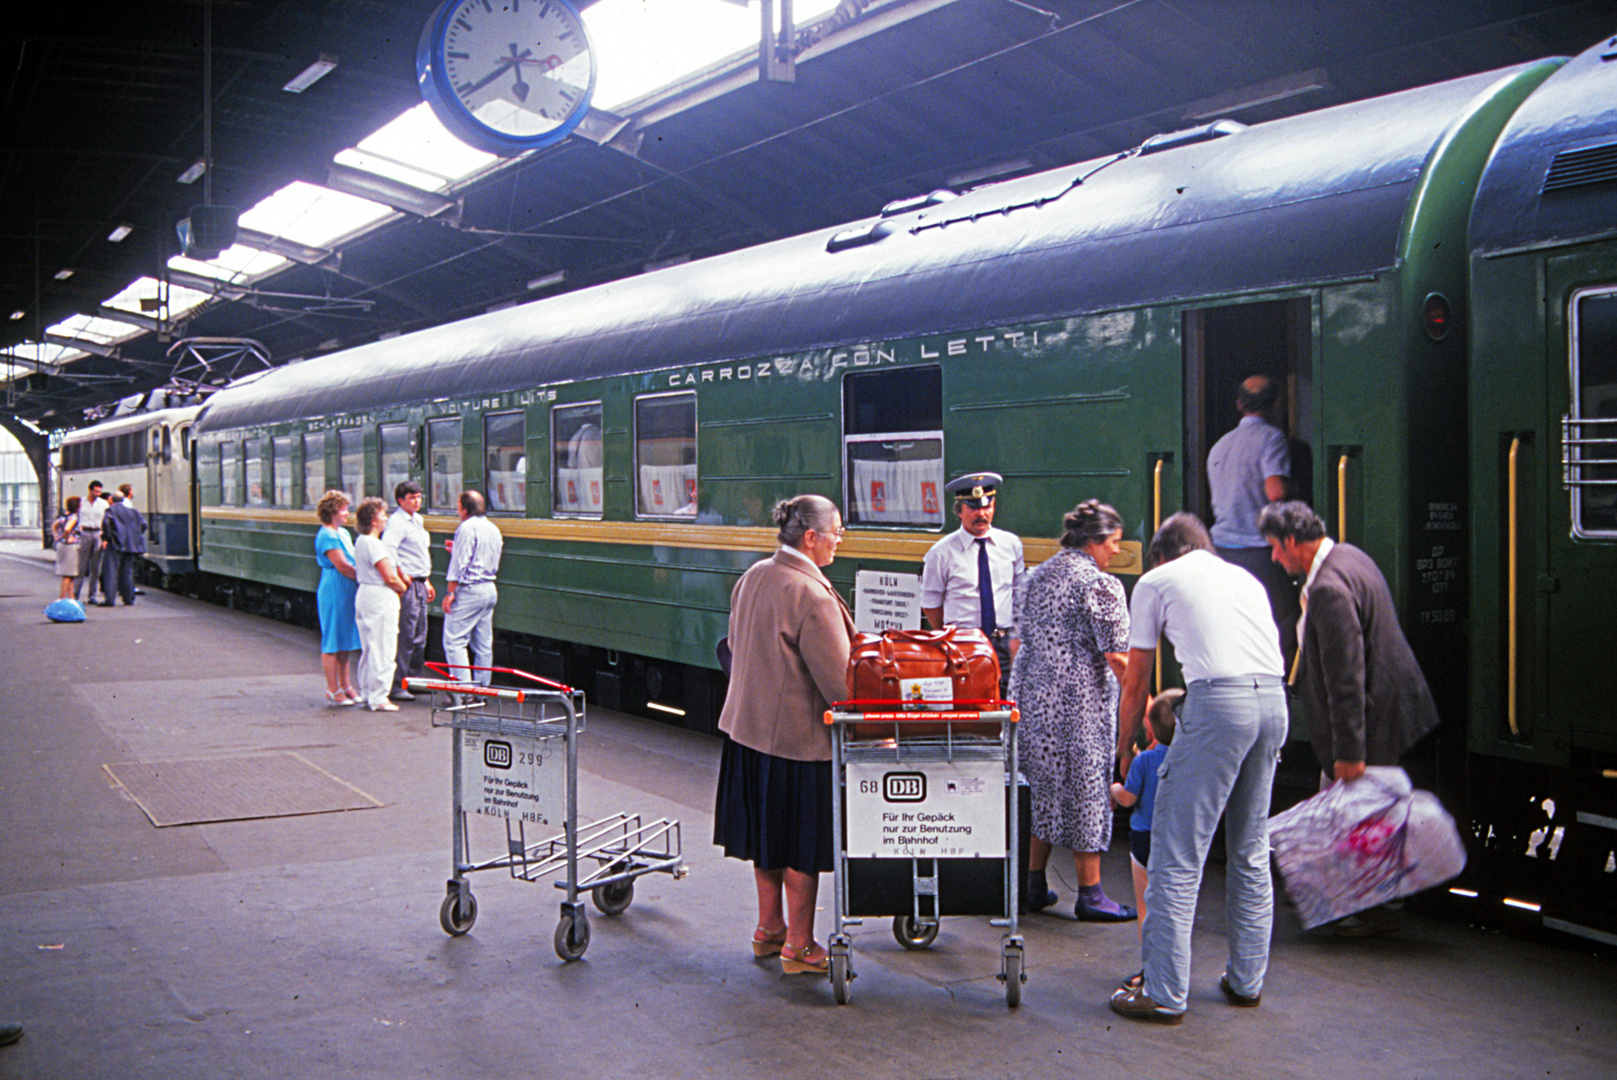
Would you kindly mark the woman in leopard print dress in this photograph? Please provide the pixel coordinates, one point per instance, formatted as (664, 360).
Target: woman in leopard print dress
(1074, 628)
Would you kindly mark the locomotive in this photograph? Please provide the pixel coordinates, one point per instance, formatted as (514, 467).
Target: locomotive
(1430, 276)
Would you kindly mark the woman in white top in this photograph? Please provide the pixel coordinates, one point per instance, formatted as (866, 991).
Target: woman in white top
(376, 607)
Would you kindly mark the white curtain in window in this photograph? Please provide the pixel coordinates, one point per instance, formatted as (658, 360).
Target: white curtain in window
(668, 489)
(508, 490)
(897, 492)
(578, 491)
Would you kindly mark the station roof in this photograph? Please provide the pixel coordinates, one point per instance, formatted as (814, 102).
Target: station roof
(103, 112)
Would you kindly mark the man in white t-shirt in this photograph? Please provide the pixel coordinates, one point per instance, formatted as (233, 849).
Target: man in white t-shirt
(91, 515)
(1221, 764)
(406, 535)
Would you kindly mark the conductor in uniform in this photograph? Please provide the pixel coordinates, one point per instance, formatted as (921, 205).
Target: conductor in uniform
(975, 576)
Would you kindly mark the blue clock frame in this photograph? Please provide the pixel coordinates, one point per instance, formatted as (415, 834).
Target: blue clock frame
(433, 79)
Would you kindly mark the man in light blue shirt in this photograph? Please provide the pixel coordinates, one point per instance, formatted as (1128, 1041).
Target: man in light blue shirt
(1246, 470)
(406, 535)
(470, 595)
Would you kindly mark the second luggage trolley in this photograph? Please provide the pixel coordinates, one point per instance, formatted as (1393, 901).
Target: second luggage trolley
(508, 744)
(935, 789)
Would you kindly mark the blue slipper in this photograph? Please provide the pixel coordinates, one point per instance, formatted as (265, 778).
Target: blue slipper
(1124, 913)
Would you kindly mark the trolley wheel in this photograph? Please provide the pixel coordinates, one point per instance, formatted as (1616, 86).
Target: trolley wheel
(1013, 977)
(572, 937)
(614, 897)
(841, 976)
(912, 934)
(449, 914)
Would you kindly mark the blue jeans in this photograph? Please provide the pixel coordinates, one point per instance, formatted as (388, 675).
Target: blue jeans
(471, 621)
(1221, 763)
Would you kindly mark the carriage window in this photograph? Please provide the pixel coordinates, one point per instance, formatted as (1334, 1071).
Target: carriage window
(229, 474)
(281, 468)
(893, 447)
(665, 455)
(444, 472)
(314, 468)
(576, 438)
(395, 458)
(255, 472)
(351, 464)
(1591, 437)
(506, 462)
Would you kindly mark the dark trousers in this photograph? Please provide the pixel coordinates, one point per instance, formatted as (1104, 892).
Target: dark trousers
(118, 575)
(412, 632)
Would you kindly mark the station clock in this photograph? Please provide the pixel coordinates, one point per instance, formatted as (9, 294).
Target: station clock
(507, 76)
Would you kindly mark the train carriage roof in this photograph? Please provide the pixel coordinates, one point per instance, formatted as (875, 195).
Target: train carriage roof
(1311, 198)
(1552, 178)
(132, 422)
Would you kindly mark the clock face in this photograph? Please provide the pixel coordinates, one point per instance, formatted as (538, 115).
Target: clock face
(507, 75)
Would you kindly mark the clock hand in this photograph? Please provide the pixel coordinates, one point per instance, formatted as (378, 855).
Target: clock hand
(499, 69)
(520, 89)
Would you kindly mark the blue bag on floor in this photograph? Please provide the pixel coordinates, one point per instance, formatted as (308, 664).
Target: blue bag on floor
(66, 609)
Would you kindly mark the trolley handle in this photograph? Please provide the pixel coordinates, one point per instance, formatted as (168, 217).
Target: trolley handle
(887, 714)
(447, 671)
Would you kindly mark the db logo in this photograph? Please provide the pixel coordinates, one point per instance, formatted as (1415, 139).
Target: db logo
(903, 787)
(497, 755)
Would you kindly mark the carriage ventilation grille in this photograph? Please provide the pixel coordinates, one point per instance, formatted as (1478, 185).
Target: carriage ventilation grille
(1574, 168)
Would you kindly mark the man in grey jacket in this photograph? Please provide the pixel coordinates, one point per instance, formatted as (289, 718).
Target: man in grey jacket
(1367, 702)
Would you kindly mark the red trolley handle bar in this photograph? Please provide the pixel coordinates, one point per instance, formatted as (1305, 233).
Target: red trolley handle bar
(446, 670)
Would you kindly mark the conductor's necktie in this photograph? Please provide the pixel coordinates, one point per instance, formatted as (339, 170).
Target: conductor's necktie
(985, 588)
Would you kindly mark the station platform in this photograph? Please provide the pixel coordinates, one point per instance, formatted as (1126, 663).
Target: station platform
(309, 946)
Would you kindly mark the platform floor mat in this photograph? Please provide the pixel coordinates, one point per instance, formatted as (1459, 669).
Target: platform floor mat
(235, 789)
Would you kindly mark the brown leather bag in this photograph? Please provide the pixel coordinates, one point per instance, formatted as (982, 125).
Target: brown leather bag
(886, 667)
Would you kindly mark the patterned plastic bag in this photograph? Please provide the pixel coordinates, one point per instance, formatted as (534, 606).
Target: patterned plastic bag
(1362, 843)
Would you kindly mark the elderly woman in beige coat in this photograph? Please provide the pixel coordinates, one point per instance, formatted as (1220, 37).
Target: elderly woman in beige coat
(790, 635)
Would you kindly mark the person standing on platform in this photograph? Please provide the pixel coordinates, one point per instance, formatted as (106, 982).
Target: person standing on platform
(334, 598)
(1222, 764)
(376, 606)
(790, 636)
(1247, 469)
(65, 535)
(91, 513)
(1367, 702)
(124, 532)
(469, 593)
(406, 535)
(976, 576)
(1075, 626)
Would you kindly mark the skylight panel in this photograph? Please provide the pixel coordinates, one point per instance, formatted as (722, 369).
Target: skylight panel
(180, 299)
(417, 150)
(41, 353)
(236, 263)
(641, 47)
(313, 215)
(91, 328)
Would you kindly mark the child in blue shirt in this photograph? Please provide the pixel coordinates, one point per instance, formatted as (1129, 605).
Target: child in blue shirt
(1140, 790)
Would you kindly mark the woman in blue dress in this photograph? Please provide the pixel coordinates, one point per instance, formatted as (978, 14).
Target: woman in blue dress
(339, 633)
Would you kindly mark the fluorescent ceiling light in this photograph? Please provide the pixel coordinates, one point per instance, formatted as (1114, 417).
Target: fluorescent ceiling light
(117, 235)
(194, 173)
(311, 74)
(310, 214)
(64, 273)
(548, 280)
(1265, 93)
(180, 299)
(235, 263)
(18, 314)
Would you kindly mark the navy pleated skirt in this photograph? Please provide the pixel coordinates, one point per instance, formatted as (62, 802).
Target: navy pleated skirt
(773, 812)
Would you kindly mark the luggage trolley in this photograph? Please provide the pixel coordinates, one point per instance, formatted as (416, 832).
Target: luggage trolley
(508, 744)
(935, 789)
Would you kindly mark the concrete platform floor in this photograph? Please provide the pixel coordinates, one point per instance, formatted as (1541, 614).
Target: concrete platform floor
(309, 946)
